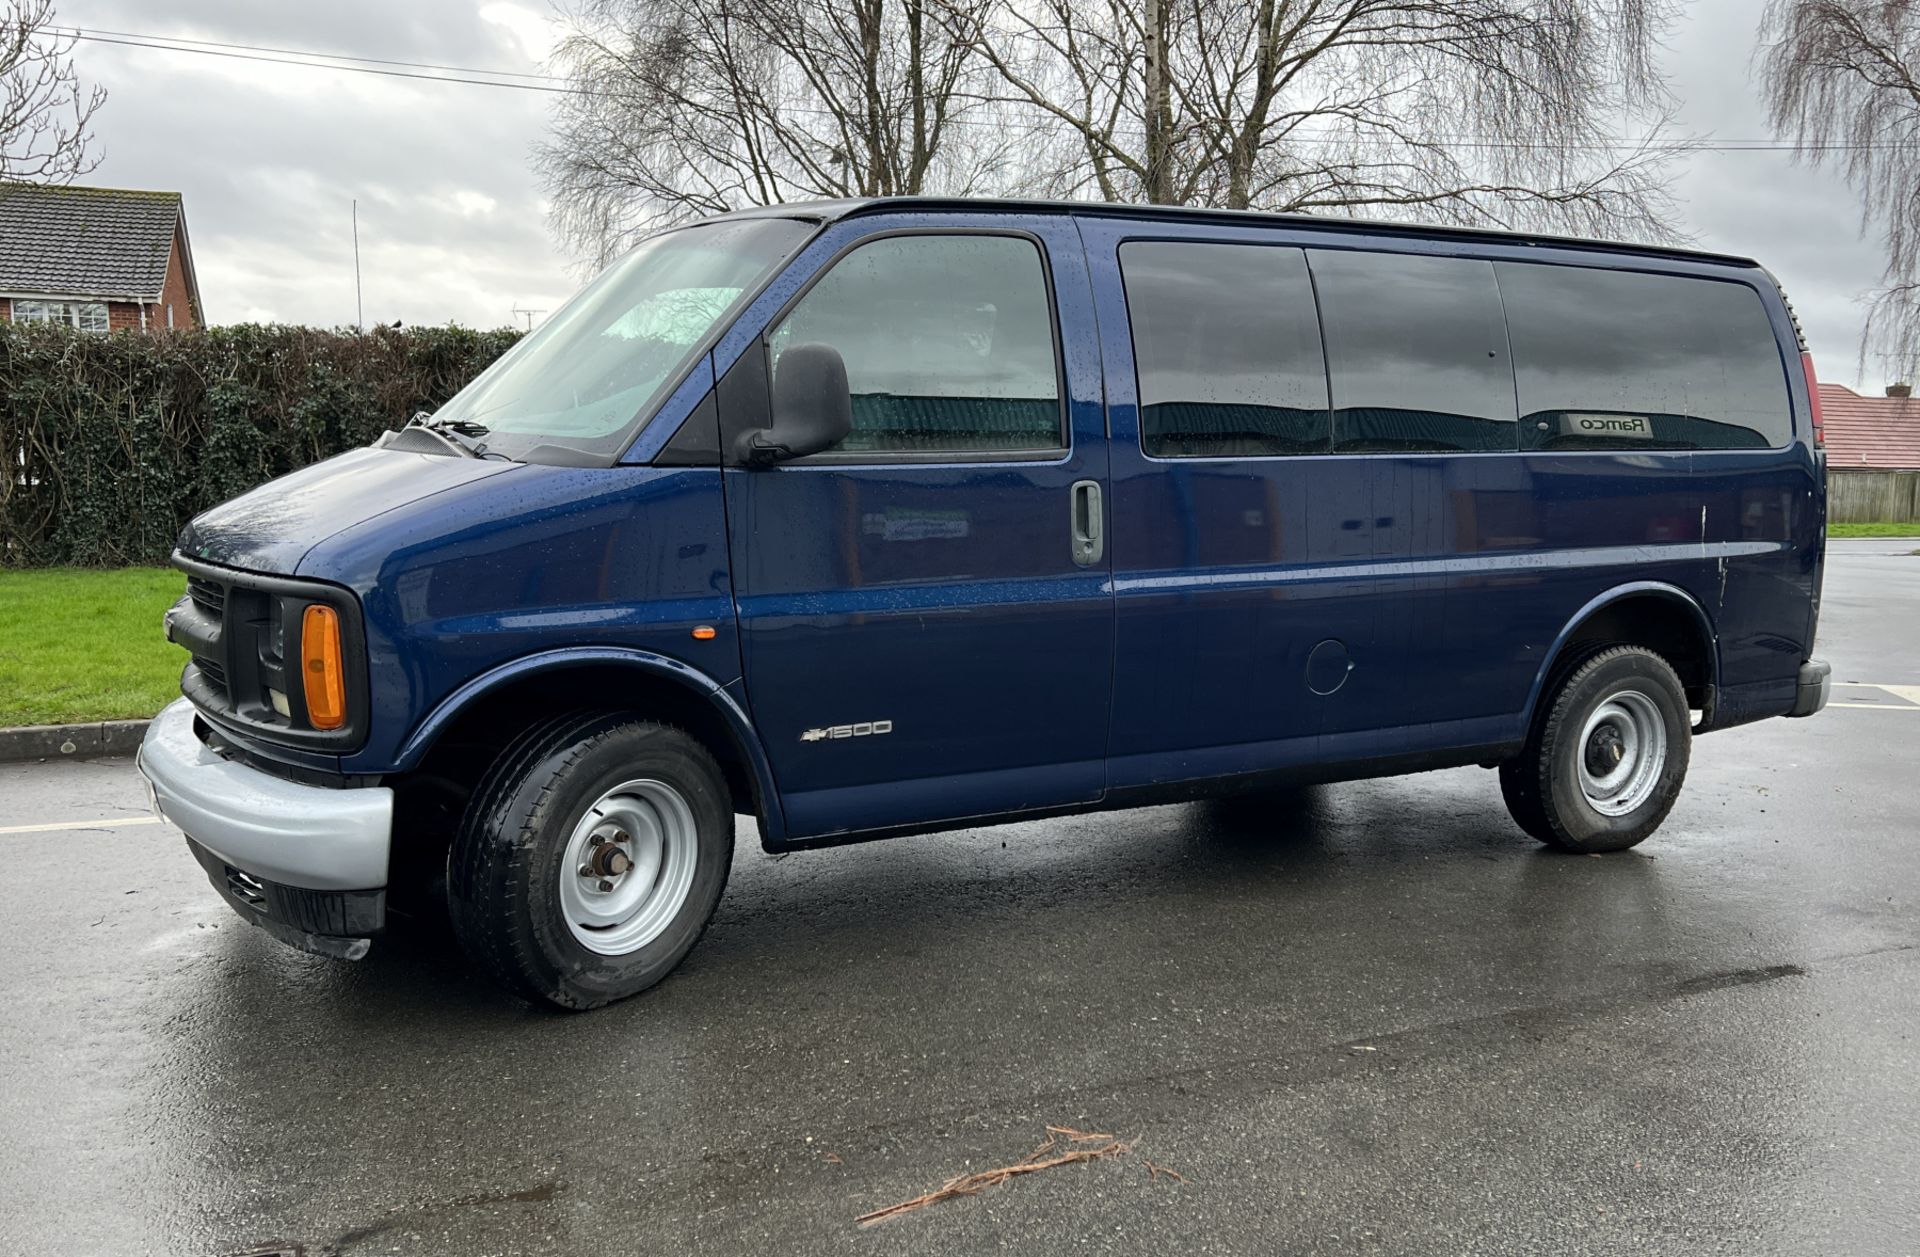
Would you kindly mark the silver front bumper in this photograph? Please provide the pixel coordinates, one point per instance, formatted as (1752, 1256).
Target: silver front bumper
(280, 831)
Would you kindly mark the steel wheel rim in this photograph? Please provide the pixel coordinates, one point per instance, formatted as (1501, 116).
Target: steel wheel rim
(1622, 753)
(628, 867)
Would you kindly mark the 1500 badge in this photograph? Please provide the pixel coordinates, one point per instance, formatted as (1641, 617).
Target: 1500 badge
(865, 729)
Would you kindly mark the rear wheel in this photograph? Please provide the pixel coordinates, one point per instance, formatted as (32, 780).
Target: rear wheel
(1606, 760)
(591, 858)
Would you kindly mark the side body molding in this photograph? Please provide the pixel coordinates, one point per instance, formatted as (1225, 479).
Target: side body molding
(773, 820)
(1672, 593)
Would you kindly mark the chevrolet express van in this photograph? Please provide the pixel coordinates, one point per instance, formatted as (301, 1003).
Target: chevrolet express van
(871, 517)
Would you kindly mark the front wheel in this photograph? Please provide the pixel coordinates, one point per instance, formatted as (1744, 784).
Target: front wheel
(1605, 764)
(590, 859)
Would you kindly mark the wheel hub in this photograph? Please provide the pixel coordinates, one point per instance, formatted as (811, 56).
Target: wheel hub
(628, 867)
(1623, 753)
(1605, 750)
(606, 857)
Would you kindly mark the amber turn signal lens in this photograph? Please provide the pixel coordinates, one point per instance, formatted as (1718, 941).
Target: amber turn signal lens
(325, 680)
(705, 633)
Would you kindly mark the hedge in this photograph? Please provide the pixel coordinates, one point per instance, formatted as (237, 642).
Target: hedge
(116, 441)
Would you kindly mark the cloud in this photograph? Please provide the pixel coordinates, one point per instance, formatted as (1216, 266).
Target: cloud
(271, 158)
(472, 204)
(1802, 224)
(453, 223)
(535, 33)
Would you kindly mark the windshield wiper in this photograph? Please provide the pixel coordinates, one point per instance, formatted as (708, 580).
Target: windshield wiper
(459, 433)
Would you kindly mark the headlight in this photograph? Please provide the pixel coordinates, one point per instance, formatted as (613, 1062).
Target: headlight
(323, 676)
(276, 658)
(303, 676)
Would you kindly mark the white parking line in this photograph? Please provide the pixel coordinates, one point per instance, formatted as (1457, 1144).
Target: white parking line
(1905, 697)
(105, 822)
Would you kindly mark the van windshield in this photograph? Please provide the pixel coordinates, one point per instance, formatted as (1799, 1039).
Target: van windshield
(591, 374)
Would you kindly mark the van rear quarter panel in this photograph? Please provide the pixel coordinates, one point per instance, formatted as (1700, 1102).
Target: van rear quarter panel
(1764, 517)
(1448, 577)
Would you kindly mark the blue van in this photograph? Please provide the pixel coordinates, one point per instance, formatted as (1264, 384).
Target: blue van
(866, 518)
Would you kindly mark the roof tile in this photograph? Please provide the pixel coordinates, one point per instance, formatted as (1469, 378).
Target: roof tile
(93, 242)
(1870, 431)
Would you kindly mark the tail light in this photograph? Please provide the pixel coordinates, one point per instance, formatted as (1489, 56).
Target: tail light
(322, 676)
(1813, 403)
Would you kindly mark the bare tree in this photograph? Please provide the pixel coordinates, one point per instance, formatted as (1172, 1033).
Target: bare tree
(689, 107)
(1496, 111)
(45, 114)
(1480, 111)
(1842, 77)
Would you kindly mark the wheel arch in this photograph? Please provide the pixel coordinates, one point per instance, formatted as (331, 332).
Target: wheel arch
(1653, 614)
(620, 678)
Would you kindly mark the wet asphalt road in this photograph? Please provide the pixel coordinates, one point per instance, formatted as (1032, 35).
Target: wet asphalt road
(1372, 1018)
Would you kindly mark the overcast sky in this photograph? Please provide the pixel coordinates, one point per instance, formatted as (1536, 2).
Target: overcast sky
(452, 221)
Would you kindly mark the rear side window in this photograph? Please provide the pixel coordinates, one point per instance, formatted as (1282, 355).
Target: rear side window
(1417, 351)
(1227, 346)
(1619, 360)
(948, 342)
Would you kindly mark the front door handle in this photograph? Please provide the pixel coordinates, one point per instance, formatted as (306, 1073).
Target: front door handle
(1088, 526)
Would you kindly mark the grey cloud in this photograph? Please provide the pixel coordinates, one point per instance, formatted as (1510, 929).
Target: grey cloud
(1800, 223)
(450, 222)
(268, 174)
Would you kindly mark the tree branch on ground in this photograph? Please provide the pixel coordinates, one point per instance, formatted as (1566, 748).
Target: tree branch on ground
(1080, 1147)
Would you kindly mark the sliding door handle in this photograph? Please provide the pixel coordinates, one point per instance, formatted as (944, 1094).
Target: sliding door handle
(1088, 524)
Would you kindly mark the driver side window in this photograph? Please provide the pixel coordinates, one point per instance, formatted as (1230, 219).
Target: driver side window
(948, 342)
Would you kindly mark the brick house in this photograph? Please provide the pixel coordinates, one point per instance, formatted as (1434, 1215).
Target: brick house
(1871, 433)
(1873, 455)
(99, 259)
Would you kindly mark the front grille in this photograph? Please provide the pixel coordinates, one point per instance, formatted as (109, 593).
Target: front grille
(215, 674)
(209, 595)
(240, 629)
(199, 623)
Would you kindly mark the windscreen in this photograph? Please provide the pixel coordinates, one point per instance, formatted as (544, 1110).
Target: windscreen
(591, 375)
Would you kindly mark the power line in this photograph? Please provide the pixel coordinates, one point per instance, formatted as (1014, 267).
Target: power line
(321, 65)
(555, 85)
(80, 33)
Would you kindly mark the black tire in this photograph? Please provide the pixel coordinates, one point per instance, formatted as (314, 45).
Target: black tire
(503, 872)
(1542, 787)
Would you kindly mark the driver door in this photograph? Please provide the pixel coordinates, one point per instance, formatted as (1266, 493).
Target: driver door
(925, 632)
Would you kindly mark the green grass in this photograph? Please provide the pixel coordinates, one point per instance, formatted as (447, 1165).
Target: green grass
(84, 645)
(1873, 530)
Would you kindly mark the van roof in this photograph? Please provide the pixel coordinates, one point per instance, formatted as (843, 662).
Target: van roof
(833, 210)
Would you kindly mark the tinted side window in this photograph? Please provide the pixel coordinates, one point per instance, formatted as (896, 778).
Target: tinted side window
(1629, 361)
(1227, 347)
(948, 342)
(1417, 349)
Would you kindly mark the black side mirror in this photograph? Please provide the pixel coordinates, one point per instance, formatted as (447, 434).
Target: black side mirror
(812, 407)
